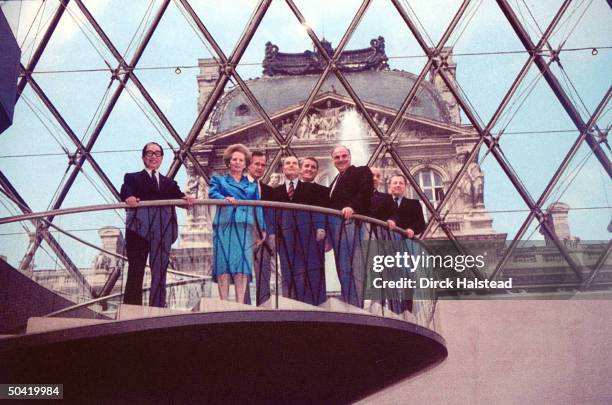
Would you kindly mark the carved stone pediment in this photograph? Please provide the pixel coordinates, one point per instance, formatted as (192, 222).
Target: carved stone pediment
(325, 123)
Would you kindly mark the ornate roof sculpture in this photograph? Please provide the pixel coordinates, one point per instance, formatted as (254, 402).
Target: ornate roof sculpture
(279, 63)
(289, 78)
(385, 89)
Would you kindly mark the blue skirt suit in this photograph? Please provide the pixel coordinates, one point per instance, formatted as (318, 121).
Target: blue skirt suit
(233, 226)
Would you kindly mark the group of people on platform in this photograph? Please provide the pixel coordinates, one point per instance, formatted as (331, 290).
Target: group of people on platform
(245, 238)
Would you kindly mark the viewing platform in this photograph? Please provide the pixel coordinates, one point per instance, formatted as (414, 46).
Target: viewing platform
(204, 349)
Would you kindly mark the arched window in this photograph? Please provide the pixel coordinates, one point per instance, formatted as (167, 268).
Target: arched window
(431, 184)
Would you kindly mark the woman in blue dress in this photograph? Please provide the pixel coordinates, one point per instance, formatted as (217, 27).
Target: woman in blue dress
(233, 225)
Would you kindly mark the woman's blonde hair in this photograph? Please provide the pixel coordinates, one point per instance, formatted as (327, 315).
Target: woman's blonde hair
(237, 147)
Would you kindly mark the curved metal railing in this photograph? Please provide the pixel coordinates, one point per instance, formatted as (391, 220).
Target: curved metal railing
(182, 203)
(348, 240)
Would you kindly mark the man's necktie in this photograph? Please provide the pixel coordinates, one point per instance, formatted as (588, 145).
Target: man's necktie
(154, 178)
(397, 201)
(291, 191)
(334, 183)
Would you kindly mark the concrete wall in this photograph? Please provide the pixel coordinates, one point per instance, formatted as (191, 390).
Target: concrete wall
(517, 352)
(22, 298)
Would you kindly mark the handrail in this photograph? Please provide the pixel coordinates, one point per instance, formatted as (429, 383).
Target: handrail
(107, 252)
(188, 278)
(119, 294)
(180, 202)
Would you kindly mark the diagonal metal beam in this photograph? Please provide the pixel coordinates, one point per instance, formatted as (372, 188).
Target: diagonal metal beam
(331, 61)
(278, 137)
(495, 149)
(362, 109)
(602, 260)
(100, 125)
(219, 87)
(556, 177)
(42, 45)
(391, 134)
(111, 104)
(415, 88)
(230, 70)
(556, 87)
(132, 75)
(42, 233)
(387, 143)
(75, 139)
(500, 109)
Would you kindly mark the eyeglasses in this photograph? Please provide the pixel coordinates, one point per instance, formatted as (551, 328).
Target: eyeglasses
(151, 154)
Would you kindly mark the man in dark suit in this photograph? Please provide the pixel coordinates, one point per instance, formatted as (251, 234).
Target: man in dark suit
(381, 204)
(262, 254)
(409, 216)
(408, 213)
(150, 232)
(350, 192)
(299, 238)
(256, 171)
(309, 167)
(352, 188)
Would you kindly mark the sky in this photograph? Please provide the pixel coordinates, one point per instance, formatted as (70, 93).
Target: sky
(74, 73)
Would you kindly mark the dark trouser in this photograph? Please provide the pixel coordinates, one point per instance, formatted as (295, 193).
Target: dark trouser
(346, 237)
(263, 264)
(399, 306)
(303, 271)
(138, 250)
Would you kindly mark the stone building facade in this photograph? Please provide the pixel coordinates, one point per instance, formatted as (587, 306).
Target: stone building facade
(432, 141)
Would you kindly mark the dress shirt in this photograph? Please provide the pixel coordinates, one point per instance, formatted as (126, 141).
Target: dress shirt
(295, 183)
(150, 171)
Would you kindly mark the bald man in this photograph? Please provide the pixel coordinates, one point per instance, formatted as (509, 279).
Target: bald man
(350, 192)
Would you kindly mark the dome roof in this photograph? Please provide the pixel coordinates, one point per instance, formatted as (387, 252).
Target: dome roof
(385, 88)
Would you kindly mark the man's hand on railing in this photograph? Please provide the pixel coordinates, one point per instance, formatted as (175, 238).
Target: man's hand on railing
(347, 212)
(264, 235)
(320, 235)
(272, 243)
(132, 201)
(231, 200)
(409, 233)
(391, 224)
(189, 199)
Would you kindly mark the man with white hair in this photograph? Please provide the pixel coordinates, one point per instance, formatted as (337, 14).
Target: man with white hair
(299, 236)
(408, 213)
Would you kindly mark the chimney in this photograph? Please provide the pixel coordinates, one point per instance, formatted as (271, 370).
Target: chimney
(209, 74)
(558, 214)
(112, 239)
(445, 61)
